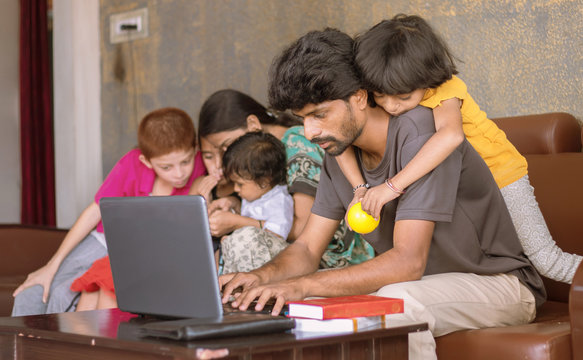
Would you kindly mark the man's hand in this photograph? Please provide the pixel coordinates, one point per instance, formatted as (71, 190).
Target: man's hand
(229, 283)
(375, 198)
(281, 292)
(43, 277)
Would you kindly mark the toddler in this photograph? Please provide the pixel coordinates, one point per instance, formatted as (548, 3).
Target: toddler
(256, 164)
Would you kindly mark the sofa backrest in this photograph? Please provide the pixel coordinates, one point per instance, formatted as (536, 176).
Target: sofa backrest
(26, 248)
(551, 144)
(549, 133)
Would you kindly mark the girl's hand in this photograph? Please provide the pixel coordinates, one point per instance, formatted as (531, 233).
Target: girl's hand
(228, 203)
(375, 198)
(222, 222)
(203, 186)
(43, 277)
(217, 173)
(358, 195)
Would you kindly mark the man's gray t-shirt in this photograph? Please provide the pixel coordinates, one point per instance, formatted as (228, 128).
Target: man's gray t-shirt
(473, 229)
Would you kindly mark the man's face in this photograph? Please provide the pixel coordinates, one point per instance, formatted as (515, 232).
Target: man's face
(330, 124)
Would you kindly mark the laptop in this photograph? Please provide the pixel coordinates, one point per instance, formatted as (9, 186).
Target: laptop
(163, 265)
(161, 256)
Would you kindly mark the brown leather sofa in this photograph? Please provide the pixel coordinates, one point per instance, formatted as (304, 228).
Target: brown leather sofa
(552, 146)
(23, 249)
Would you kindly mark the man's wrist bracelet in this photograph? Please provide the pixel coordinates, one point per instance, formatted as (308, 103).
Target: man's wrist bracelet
(393, 187)
(365, 185)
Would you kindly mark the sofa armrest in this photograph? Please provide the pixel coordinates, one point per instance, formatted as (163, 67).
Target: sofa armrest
(542, 133)
(576, 313)
(24, 249)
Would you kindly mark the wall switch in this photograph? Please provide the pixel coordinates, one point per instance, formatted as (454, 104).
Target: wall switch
(129, 25)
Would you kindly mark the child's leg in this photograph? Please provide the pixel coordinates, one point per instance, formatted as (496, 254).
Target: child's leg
(107, 299)
(534, 235)
(248, 248)
(29, 302)
(88, 301)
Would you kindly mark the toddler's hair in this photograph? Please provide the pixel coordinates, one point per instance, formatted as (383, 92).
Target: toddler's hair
(165, 130)
(401, 55)
(257, 156)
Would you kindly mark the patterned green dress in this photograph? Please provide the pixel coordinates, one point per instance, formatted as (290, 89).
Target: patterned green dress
(304, 163)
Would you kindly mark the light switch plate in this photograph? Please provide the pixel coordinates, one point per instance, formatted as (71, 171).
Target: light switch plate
(137, 18)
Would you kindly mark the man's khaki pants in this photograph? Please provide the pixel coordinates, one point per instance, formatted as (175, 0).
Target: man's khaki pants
(455, 301)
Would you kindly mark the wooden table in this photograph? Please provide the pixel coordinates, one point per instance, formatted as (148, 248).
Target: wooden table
(111, 334)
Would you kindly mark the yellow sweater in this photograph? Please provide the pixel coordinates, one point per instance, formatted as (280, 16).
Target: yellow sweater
(504, 161)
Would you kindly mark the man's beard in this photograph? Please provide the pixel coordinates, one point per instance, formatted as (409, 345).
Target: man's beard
(348, 130)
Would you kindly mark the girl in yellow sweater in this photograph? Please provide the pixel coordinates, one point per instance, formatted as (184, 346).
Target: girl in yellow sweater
(404, 64)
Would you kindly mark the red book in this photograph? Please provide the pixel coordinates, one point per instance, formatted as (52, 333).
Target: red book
(345, 307)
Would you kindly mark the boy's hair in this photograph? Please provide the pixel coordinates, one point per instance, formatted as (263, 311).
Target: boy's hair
(257, 156)
(401, 55)
(165, 130)
(318, 67)
(228, 109)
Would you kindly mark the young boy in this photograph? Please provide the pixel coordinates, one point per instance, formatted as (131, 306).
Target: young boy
(165, 163)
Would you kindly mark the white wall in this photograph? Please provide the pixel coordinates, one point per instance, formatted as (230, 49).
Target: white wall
(77, 106)
(9, 114)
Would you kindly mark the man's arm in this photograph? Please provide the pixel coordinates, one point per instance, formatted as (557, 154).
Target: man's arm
(406, 261)
(302, 205)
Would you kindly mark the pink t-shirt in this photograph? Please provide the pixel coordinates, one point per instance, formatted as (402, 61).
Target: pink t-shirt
(130, 177)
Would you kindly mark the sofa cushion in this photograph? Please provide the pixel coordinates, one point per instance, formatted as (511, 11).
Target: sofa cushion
(545, 338)
(540, 340)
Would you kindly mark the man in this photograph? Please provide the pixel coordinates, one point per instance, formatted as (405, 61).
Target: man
(447, 246)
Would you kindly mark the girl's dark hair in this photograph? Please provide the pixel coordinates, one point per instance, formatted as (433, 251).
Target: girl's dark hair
(228, 109)
(401, 55)
(257, 156)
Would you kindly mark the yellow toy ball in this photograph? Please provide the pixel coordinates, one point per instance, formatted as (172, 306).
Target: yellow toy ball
(360, 221)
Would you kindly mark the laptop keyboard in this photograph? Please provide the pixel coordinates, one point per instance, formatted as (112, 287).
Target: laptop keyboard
(228, 309)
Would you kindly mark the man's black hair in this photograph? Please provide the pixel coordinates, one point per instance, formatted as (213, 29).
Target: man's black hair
(316, 68)
(401, 55)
